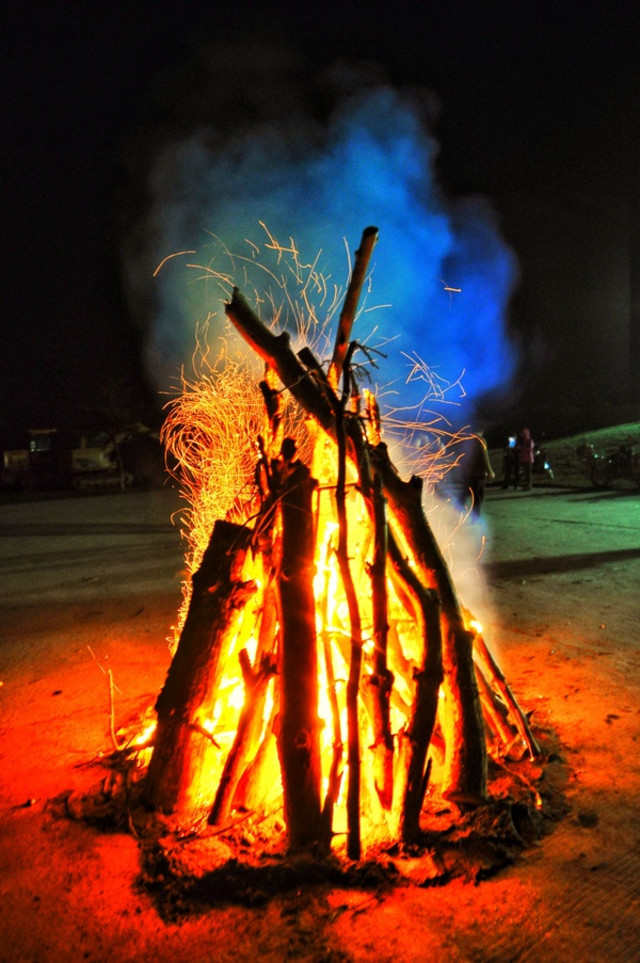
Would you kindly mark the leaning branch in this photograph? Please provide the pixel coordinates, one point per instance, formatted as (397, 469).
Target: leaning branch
(348, 313)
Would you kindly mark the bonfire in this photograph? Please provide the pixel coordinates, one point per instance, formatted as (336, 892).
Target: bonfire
(329, 697)
(326, 666)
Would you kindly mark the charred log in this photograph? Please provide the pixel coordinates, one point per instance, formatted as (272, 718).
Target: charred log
(415, 739)
(380, 681)
(298, 725)
(354, 842)
(178, 780)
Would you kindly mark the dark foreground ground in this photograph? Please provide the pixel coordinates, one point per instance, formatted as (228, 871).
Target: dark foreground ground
(90, 587)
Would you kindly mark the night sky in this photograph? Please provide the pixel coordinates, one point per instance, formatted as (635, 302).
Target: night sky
(533, 105)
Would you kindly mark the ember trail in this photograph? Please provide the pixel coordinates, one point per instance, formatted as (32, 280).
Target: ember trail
(326, 665)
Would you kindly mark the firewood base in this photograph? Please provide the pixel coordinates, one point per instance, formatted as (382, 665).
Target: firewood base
(247, 863)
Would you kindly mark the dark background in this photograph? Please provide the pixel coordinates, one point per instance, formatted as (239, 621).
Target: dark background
(538, 111)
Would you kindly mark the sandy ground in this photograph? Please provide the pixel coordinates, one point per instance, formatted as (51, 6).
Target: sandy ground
(90, 587)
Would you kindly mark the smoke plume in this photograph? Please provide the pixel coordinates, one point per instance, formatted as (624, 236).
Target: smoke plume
(281, 154)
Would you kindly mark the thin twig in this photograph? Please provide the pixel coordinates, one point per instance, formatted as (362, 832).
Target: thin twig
(112, 725)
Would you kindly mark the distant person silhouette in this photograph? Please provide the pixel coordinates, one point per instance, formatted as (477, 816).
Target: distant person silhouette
(510, 463)
(526, 454)
(475, 468)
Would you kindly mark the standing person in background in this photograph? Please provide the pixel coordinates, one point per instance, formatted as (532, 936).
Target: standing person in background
(510, 463)
(526, 450)
(475, 468)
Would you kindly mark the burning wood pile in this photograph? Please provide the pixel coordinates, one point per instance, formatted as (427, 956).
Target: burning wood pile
(326, 666)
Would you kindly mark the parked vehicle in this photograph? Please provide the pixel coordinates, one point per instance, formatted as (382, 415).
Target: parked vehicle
(84, 460)
(605, 469)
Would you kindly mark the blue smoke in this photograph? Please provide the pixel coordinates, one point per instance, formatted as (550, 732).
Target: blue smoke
(441, 275)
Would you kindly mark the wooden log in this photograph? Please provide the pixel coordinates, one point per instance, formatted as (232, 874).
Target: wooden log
(380, 682)
(179, 779)
(414, 740)
(247, 734)
(354, 841)
(257, 788)
(466, 769)
(465, 777)
(350, 305)
(495, 713)
(336, 770)
(252, 789)
(496, 673)
(275, 350)
(413, 529)
(298, 730)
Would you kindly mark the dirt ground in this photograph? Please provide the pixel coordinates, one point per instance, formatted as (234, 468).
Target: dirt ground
(90, 589)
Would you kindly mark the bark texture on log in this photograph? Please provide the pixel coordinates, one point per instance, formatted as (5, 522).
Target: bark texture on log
(466, 771)
(414, 741)
(178, 781)
(298, 728)
(275, 350)
(465, 779)
(354, 842)
(348, 313)
(380, 681)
